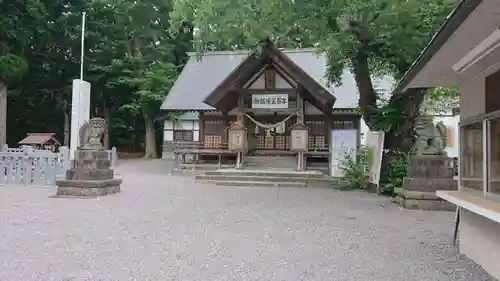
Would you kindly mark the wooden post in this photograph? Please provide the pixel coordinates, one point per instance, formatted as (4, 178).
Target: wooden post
(201, 129)
(300, 120)
(240, 119)
(328, 138)
(224, 126)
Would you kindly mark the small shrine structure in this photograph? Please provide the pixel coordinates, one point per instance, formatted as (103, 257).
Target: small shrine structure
(41, 141)
(284, 108)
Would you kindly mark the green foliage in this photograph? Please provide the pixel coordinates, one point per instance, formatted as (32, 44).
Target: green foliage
(356, 170)
(131, 61)
(363, 36)
(12, 67)
(339, 28)
(387, 119)
(440, 100)
(397, 171)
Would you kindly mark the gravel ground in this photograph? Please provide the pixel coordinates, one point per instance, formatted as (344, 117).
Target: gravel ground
(165, 227)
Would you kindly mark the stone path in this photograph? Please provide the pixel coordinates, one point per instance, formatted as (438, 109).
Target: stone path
(165, 227)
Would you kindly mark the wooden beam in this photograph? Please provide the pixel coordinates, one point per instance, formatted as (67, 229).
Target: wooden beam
(256, 77)
(270, 78)
(270, 110)
(324, 98)
(249, 92)
(221, 97)
(285, 76)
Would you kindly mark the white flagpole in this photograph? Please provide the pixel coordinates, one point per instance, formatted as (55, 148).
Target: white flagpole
(82, 44)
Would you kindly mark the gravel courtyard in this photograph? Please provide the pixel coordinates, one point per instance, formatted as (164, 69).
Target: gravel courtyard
(166, 228)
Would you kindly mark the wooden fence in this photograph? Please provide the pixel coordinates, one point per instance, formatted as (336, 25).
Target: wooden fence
(26, 166)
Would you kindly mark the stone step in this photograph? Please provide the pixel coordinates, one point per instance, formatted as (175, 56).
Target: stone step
(271, 162)
(256, 183)
(255, 178)
(270, 166)
(266, 173)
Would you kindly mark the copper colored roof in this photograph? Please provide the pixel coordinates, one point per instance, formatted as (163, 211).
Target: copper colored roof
(37, 138)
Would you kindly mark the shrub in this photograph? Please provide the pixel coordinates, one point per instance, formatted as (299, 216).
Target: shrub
(396, 172)
(356, 171)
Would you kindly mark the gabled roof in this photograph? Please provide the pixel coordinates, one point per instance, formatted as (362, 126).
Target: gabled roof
(453, 21)
(201, 77)
(223, 97)
(38, 138)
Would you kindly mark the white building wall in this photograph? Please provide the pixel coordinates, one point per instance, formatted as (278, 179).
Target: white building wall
(480, 241)
(452, 123)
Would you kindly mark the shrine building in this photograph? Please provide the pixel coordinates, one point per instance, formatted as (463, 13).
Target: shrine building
(268, 95)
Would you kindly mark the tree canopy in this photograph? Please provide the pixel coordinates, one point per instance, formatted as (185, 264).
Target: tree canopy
(134, 51)
(131, 61)
(369, 37)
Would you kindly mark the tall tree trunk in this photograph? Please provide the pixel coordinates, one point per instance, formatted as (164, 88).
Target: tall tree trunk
(408, 105)
(367, 94)
(3, 114)
(401, 138)
(107, 117)
(150, 138)
(67, 125)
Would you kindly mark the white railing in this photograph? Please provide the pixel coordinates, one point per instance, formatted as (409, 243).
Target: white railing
(26, 166)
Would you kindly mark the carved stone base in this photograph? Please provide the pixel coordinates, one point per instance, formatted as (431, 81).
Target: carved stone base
(428, 174)
(431, 166)
(91, 188)
(422, 200)
(89, 176)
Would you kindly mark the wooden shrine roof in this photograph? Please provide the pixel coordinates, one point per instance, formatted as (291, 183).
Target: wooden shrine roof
(38, 138)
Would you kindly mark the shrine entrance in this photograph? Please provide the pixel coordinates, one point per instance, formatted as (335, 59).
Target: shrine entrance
(274, 138)
(269, 95)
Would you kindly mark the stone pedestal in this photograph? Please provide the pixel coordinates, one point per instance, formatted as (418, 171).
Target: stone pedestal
(89, 176)
(427, 174)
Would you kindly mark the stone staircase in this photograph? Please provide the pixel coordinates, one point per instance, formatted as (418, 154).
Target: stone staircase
(265, 177)
(271, 162)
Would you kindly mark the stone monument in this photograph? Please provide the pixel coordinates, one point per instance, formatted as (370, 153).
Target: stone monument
(90, 174)
(431, 169)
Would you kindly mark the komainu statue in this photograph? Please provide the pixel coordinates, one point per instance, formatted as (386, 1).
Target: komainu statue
(91, 133)
(431, 138)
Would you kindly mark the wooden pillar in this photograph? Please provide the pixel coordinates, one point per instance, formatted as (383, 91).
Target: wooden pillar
(300, 120)
(328, 118)
(201, 128)
(328, 138)
(224, 124)
(240, 119)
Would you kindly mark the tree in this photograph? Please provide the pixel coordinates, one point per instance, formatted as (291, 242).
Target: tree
(17, 31)
(440, 100)
(138, 56)
(370, 37)
(131, 60)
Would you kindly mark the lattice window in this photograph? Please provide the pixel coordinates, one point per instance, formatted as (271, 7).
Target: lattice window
(344, 124)
(316, 127)
(212, 141)
(280, 142)
(214, 127)
(213, 133)
(183, 135)
(316, 142)
(317, 131)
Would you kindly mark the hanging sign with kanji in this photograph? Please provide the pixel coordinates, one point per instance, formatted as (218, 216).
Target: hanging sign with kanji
(270, 101)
